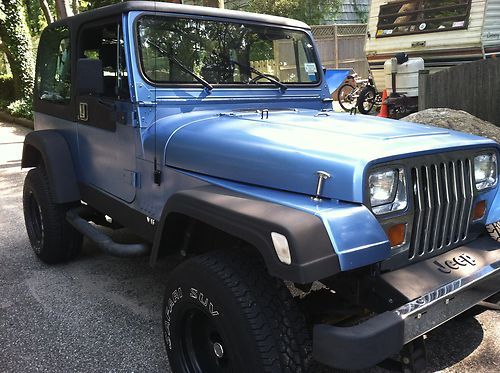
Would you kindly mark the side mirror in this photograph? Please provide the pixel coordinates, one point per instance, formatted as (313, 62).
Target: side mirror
(90, 77)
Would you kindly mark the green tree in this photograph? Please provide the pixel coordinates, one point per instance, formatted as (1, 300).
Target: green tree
(34, 17)
(16, 38)
(313, 12)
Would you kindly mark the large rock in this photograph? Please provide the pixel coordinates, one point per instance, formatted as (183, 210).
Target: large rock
(457, 120)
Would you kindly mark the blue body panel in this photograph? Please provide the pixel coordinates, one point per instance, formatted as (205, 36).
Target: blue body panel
(223, 138)
(343, 222)
(286, 150)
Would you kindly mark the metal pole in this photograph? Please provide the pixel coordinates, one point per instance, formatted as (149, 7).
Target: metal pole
(336, 41)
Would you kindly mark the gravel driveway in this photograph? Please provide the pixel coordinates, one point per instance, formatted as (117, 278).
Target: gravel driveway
(102, 314)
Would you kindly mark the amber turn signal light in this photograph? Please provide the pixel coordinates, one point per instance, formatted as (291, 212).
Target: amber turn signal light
(397, 234)
(479, 210)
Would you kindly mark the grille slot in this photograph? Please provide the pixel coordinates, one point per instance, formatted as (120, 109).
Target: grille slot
(443, 195)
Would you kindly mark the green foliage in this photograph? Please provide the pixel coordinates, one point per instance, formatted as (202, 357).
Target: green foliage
(313, 12)
(6, 87)
(93, 4)
(34, 17)
(16, 36)
(21, 108)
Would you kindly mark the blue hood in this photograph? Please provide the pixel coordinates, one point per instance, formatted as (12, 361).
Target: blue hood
(284, 150)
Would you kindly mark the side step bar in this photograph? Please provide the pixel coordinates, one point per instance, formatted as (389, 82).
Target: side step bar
(78, 217)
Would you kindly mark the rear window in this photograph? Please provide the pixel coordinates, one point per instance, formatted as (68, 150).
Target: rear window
(421, 16)
(53, 79)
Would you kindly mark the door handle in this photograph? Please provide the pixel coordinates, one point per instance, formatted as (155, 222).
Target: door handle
(83, 112)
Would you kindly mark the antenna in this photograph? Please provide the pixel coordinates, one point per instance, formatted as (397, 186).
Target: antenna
(156, 171)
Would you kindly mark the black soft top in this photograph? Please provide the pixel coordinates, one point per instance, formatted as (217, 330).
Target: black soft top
(157, 6)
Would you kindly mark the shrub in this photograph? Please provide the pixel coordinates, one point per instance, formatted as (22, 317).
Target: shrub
(21, 108)
(6, 87)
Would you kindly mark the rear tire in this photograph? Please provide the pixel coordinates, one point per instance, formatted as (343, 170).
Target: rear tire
(52, 238)
(366, 100)
(223, 313)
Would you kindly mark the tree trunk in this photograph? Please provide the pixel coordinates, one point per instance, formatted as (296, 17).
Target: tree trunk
(76, 6)
(8, 56)
(63, 9)
(214, 3)
(16, 36)
(46, 11)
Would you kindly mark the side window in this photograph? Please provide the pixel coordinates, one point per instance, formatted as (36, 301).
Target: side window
(106, 44)
(53, 82)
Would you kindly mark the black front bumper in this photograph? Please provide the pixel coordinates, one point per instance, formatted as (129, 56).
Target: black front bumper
(462, 284)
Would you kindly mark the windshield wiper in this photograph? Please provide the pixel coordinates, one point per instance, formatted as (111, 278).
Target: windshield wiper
(200, 79)
(260, 74)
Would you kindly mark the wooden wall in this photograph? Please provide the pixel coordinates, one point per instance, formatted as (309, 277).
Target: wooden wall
(473, 87)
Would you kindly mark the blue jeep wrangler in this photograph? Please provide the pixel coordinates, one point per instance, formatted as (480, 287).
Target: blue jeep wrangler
(309, 238)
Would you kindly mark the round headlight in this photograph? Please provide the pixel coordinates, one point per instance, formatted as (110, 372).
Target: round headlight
(387, 191)
(485, 171)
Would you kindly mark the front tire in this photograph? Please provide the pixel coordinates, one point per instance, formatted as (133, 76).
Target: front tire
(223, 313)
(494, 230)
(347, 101)
(52, 238)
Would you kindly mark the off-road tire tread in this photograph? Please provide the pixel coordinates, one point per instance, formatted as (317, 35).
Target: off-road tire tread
(61, 241)
(494, 231)
(283, 340)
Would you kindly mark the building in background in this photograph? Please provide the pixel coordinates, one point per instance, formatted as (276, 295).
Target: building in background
(352, 11)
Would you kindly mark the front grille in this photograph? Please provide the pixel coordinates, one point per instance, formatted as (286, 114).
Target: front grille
(443, 194)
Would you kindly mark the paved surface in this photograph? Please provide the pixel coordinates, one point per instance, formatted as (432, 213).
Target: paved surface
(101, 314)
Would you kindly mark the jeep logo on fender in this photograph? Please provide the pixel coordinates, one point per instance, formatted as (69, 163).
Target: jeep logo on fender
(455, 263)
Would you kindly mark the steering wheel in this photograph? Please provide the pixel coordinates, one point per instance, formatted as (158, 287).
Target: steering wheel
(263, 76)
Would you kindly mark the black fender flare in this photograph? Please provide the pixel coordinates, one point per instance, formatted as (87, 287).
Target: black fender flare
(50, 147)
(252, 220)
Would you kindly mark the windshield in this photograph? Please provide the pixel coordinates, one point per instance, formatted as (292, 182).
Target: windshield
(224, 53)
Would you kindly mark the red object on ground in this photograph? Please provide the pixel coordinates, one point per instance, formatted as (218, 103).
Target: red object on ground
(384, 111)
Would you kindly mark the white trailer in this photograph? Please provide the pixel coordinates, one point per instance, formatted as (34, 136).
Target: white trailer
(443, 32)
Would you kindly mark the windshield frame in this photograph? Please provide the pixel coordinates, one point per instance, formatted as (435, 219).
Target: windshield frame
(263, 85)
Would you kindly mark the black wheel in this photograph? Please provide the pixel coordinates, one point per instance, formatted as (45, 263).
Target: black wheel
(52, 238)
(366, 100)
(347, 99)
(223, 313)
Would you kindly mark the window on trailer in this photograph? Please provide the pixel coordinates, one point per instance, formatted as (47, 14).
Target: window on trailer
(421, 16)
